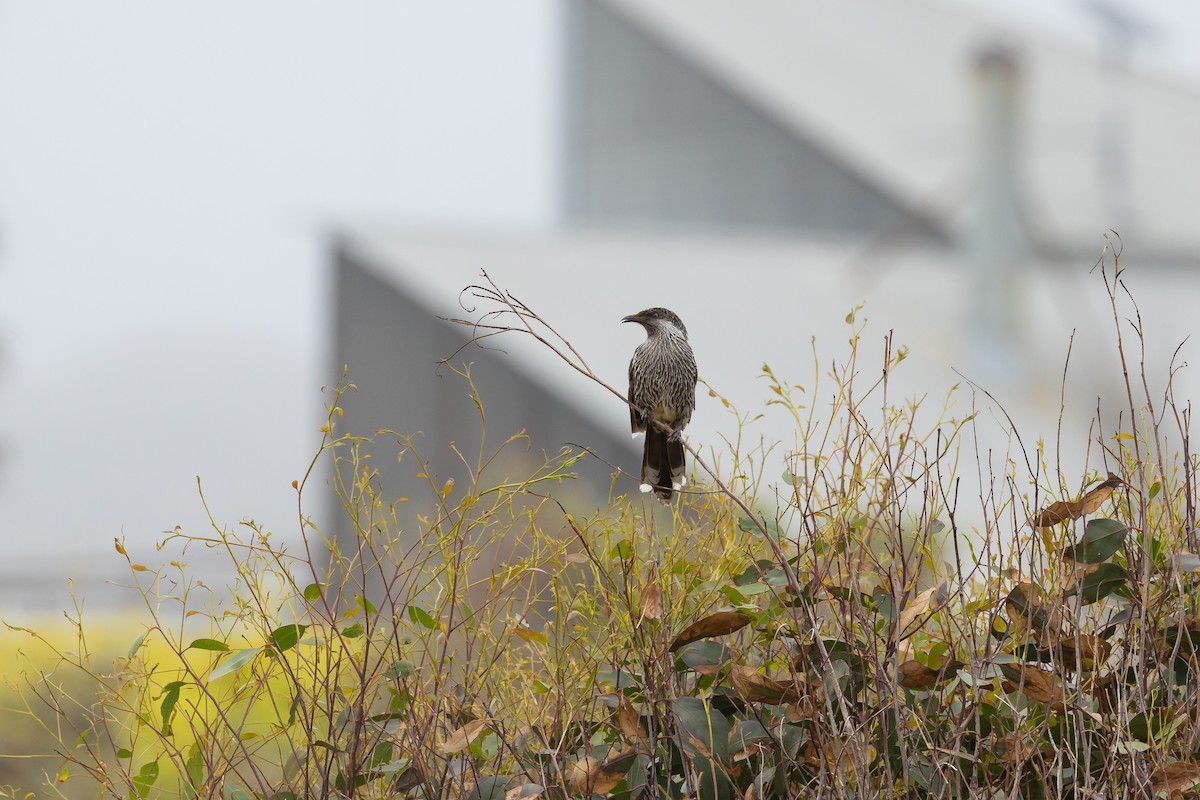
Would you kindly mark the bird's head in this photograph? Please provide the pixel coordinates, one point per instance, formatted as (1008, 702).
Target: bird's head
(658, 320)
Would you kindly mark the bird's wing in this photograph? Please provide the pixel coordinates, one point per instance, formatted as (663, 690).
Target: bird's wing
(637, 420)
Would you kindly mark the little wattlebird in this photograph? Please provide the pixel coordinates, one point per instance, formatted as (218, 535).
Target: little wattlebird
(662, 396)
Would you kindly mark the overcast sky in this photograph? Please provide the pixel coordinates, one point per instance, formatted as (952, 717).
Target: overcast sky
(167, 173)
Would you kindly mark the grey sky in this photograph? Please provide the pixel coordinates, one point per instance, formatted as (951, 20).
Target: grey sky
(166, 174)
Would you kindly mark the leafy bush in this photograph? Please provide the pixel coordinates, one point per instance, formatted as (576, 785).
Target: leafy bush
(865, 636)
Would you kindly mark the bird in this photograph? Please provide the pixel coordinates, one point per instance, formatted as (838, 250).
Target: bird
(662, 396)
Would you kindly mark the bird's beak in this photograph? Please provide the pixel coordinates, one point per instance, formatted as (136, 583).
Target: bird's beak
(632, 318)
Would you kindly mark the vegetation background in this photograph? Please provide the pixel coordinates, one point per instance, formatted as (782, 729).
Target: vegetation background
(859, 626)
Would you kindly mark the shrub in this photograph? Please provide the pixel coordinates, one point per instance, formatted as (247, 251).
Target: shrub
(863, 636)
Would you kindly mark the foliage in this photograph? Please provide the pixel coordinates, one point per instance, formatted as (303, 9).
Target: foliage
(860, 635)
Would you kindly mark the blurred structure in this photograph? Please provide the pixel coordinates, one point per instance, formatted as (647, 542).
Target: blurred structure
(392, 343)
(657, 138)
(762, 167)
(995, 239)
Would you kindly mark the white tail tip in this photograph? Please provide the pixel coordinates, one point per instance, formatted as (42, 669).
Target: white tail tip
(645, 487)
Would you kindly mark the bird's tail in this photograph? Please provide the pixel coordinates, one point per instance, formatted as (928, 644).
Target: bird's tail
(663, 464)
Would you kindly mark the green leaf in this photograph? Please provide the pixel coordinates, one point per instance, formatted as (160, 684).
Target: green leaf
(292, 709)
(312, 592)
(1101, 538)
(765, 784)
(124, 752)
(707, 656)
(636, 782)
(235, 792)
(239, 659)
(196, 769)
(365, 604)
(621, 551)
(295, 762)
(167, 708)
(792, 738)
(398, 670)
(493, 787)
(209, 644)
(735, 597)
(392, 767)
(705, 724)
(342, 787)
(714, 782)
(746, 734)
(421, 617)
(382, 754)
(1146, 726)
(286, 636)
(353, 631)
(1107, 579)
(145, 779)
(754, 572)
(137, 643)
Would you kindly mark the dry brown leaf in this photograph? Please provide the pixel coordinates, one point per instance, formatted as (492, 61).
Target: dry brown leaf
(651, 601)
(926, 602)
(708, 669)
(700, 747)
(1032, 614)
(1013, 749)
(810, 754)
(805, 709)
(717, 624)
(1089, 652)
(588, 776)
(1035, 684)
(461, 739)
(631, 722)
(1180, 776)
(755, 687)
(915, 675)
(750, 751)
(1073, 509)
(836, 755)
